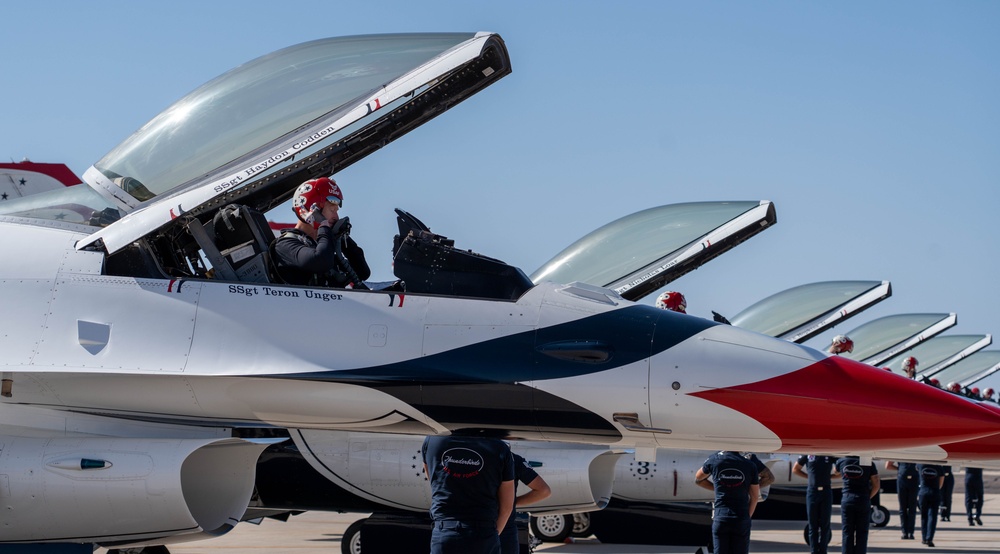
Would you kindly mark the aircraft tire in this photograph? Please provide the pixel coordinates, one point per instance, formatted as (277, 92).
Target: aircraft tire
(581, 525)
(350, 542)
(880, 516)
(552, 528)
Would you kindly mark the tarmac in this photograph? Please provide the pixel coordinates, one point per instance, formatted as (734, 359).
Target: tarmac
(320, 533)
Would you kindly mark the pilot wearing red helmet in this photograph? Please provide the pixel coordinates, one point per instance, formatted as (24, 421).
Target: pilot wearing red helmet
(988, 394)
(910, 367)
(841, 344)
(319, 250)
(673, 301)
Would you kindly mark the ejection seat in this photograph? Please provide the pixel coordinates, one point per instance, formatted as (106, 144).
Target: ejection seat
(236, 243)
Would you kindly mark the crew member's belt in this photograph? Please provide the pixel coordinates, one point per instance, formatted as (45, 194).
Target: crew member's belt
(456, 524)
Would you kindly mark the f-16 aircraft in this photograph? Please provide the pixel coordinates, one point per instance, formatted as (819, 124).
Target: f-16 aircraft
(137, 333)
(24, 178)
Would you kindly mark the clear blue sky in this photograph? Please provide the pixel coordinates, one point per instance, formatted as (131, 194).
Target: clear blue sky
(873, 126)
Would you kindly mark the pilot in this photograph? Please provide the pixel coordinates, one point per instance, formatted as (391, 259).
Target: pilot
(974, 495)
(472, 492)
(861, 484)
(907, 483)
(929, 499)
(673, 301)
(841, 344)
(910, 367)
(319, 250)
(539, 490)
(819, 497)
(736, 485)
(988, 394)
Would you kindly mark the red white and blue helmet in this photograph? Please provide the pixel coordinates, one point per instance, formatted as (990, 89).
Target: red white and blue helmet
(841, 344)
(910, 363)
(312, 194)
(988, 393)
(673, 301)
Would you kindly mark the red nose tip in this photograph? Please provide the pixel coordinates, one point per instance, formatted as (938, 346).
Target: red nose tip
(981, 449)
(838, 404)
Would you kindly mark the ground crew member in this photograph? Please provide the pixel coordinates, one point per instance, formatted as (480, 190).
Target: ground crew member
(907, 485)
(539, 491)
(472, 492)
(736, 485)
(946, 493)
(929, 499)
(974, 495)
(861, 483)
(819, 497)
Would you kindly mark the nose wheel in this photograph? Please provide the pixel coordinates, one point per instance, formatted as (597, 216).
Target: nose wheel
(880, 516)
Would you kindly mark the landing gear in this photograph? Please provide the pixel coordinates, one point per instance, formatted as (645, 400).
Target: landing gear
(552, 528)
(880, 516)
(581, 525)
(350, 543)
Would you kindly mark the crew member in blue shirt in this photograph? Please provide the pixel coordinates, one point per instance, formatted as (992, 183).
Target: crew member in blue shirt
(472, 492)
(861, 484)
(538, 490)
(929, 499)
(907, 484)
(736, 485)
(974, 491)
(946, 493)
(819, 497)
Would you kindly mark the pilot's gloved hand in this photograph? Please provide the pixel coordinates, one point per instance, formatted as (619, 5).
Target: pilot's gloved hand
(341, 227)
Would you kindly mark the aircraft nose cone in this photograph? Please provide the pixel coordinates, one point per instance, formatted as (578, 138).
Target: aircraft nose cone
(836, 404)
(981, 449)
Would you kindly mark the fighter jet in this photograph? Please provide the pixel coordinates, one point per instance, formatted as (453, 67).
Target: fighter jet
(137, 330)
(24, 178)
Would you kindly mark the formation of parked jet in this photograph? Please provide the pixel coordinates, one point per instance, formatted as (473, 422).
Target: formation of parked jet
(138, 335)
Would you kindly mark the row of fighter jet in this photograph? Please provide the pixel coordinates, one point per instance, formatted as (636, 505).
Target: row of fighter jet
(138, 336)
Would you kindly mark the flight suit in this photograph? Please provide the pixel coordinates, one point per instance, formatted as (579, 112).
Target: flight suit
(855, 504)
(929, 499)
(819, 499)
(465, 474)
(907, 484)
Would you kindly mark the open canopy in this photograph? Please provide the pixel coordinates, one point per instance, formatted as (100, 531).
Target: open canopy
(639, 253)
(259, 130)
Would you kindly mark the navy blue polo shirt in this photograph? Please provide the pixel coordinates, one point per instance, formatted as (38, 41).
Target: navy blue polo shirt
(818, 468)
(930, 476)
(857, 479)
(523, 473)
(465, 474)
(732, 475)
